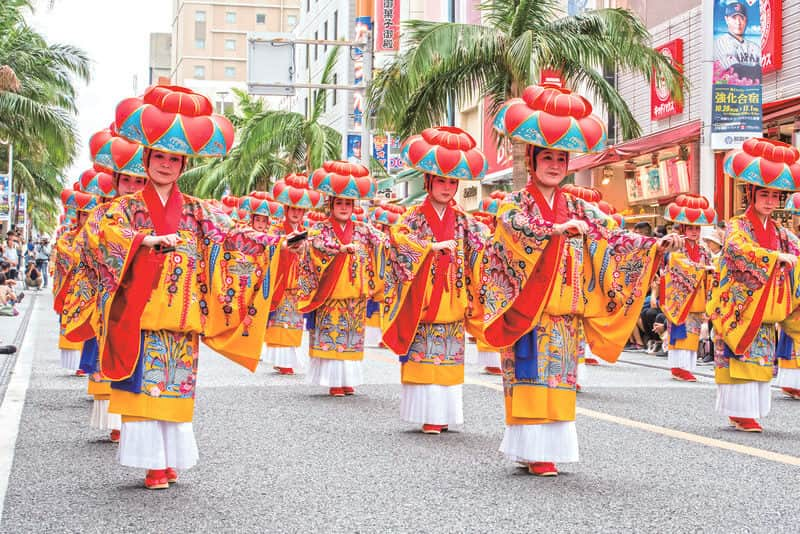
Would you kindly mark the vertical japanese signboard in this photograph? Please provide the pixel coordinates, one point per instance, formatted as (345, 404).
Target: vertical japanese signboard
(387, 25)
(771, 35)
(5, 198)
(736, 97)
(662, 105)
(380, 149)
(363, 27)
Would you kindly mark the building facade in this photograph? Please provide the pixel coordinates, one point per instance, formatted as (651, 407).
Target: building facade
(160, 57)
(209, 41)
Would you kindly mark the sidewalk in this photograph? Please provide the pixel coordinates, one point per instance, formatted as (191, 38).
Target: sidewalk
(12, 330)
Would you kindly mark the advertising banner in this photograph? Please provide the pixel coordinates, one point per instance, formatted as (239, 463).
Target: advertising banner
(736, 97)
(771, 35)
(363, 27)
(380, 149)
(387, 26)
(662, 105)
(5, 197)
(395, 161)
(354, 148)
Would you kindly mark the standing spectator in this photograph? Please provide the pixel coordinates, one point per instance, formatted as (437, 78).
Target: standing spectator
(11, 255)
(42, 253)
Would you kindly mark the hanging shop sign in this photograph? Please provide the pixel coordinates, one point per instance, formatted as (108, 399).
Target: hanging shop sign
(5, 197)
(662, 105)
(771, 35)
(387, 26)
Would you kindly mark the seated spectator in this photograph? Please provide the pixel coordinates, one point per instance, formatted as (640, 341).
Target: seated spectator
(643, 228)
(7, 298)
(33, 278)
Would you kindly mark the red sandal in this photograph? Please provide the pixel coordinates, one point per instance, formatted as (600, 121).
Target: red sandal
(156, 479)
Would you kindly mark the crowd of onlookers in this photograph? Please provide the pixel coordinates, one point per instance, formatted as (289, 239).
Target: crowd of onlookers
(650, 334)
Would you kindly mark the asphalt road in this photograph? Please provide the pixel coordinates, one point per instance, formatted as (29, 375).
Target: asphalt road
(278, 455)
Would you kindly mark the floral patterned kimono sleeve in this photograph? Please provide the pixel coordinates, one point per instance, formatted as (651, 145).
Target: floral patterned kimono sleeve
(684, 287)
(65, 258)
(321, 251)
(517, 272)
(752, 288)
(80, 304)
(379, 249)
(476, 238)
(617, 276)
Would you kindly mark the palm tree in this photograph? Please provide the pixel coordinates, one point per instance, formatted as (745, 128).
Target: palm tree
(448, 62)
(271, 143)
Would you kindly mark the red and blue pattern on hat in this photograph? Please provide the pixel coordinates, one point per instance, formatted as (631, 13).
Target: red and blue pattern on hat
(262, 206)
(344, 180)
(74, 201)
(793, 204)
(293, 191)
(693, 210)
(96, 182)
(445, 151)
(765, 163)
(387, 214)
(491, 205)
(176, 120)
(552, 117)
(113, 154)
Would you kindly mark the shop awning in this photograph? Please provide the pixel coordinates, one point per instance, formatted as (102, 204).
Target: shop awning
(638, 147)
(780, 109)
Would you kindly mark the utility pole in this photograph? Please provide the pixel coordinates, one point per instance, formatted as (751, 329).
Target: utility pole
(366, 134)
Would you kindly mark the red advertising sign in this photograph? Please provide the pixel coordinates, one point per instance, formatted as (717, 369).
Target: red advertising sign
(550, 77)
(387, 25)
(499, 158)
(661, 103)
(771, 36)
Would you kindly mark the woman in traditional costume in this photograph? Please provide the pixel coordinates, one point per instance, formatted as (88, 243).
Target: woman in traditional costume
(788, 350)
(685, 284)
(756, 284)
(65, 261)
(434, 248)
(338, 273)
(285, 326)
(121, 173)
(173, 268)
(382, 217)
(556, 269)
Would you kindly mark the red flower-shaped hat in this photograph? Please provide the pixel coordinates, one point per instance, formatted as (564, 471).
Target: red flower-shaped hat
(115, 154)
(691, 209)
(552, 117)
(793, 204)
(587, 194)
(98, 183)
(492, 204)
(83, 201)
(293, 191)
(765, 163)
(445, 151)
(176, 120)
(231, 201)
(343, 179)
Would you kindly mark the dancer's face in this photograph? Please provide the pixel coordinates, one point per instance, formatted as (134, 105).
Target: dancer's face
(164, 168)
(443, 190)
(342, 209)
(260, 222)
(766, 201)
(294, 216)
(551, 167)
(127, 184)
(692, 233)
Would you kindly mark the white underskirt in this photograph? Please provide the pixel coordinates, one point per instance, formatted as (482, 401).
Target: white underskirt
(549, 442)
(70, 359)
(432, 404)
(488, 359)
(789, 378)
(101, 419)
(372, 336)
(334, 373)
(285, 357)
(750, 400)
(582, 373)
(682, 359)
(157, 445)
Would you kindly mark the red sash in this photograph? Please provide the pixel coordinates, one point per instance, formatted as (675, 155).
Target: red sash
(443, 229)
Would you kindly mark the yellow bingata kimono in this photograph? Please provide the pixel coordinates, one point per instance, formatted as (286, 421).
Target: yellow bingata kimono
(429, 298)
(65, 261)
(285, 325)
(686, 286)
(155, 305)
(335, 286)
(541, 292)
(753, 293)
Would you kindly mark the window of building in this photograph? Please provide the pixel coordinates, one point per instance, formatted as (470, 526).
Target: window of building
(335, 95)
(199, 72)
(335, 25)
(199, 16)
(291, 21)
(199, 43)
(230, 17)
(308, 6)
(316, 47)
(230, 72)
(261, 18)
(230, 44)
(325, 35)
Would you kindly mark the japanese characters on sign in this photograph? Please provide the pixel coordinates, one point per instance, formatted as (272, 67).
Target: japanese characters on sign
(662, 105)
(387, 26)
(771, 35)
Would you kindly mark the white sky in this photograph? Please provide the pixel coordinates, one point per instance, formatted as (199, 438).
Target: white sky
(116, 36)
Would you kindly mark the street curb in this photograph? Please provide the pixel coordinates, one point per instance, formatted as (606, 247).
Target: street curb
(13, 403)
(11, 361)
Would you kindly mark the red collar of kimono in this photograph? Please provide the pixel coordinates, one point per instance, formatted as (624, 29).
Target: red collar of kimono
(287, 227)
(443, 229)
(345, 235)
(766, 237)
(693, 250)
(165, 217)
(558, 213)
